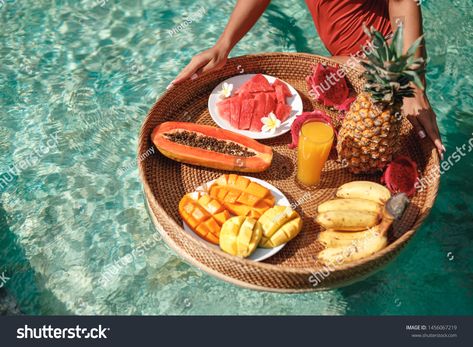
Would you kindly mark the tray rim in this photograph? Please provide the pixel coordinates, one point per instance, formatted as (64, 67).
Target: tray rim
(187, 258)
(392, 249)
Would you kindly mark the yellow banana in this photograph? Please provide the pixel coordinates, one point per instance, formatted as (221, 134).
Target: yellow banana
(348, 220)
(349, 204)
(358, 249)
(334, 238)
(364, 190)
(344, 247)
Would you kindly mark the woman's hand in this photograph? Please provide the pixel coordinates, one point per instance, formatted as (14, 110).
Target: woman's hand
(422, 117)
(244, 16)
(211, 59)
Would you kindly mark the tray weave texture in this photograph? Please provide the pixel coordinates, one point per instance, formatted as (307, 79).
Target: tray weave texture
(166, 181)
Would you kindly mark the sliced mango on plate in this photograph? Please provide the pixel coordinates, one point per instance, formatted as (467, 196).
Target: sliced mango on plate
(240, 236)
(280, 225)
(204, 215)
(241, 196)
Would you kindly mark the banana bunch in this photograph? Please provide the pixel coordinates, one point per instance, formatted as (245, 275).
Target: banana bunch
(364, 190)
(342, 248)
(240, 236)
(356, 222)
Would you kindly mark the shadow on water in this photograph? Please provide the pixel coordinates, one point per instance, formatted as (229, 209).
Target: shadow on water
(288, 31)
(8, 305)
(21, 292)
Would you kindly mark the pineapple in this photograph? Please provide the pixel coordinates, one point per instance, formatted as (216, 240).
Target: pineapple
(369, 135)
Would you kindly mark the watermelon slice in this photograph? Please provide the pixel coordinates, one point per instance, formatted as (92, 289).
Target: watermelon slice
(258, 113)
(246, 114)
(256, 84)
(270, 105)
(280, 96)
(284, 87)
(223, 108)
(260, 84)
(245, 87)
(246, 95)
(282, 112)
(235, 108)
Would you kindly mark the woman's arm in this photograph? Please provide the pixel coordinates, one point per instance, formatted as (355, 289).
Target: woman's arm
(244, 16)
(419, 112)
(408, 13)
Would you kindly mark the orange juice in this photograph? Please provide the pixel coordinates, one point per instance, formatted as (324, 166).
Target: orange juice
(315, 142)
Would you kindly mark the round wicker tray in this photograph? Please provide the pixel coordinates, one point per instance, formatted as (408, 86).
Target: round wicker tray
(293, 269)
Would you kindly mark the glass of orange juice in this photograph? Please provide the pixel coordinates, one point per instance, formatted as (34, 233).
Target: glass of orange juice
(315, 142)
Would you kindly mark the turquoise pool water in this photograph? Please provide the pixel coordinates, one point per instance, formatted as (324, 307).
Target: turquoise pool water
(76, 80)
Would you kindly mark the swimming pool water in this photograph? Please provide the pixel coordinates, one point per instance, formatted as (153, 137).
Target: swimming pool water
(86, 72)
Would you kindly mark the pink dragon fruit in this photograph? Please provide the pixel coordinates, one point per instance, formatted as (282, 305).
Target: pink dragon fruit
(401, 176)
(345, 106)
(301, 119)
(327, 86)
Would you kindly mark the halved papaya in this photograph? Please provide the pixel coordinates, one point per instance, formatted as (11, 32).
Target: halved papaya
(211, 147)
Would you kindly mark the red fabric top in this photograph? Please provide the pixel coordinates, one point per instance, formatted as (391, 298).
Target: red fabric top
(340, 22)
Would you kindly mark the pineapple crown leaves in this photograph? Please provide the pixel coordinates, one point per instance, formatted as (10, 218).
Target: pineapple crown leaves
(389, 72)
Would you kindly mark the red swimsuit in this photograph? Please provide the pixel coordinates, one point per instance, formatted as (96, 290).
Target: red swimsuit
(340, 22)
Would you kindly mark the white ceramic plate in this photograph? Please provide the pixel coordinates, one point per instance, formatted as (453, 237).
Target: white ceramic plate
(260, 253)
(294, 101)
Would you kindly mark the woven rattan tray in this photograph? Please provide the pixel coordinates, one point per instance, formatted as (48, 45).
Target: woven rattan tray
(166, 181)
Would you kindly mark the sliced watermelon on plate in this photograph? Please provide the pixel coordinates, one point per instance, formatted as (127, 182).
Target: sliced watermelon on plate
(259, 83)
(245, 88)
(255, 99)
(246, 113)
(235, 108)
(223, 108)
(260, 104)
(285, 88)
(256, 84)
(270, 104)
(280, 96)
(283, 112)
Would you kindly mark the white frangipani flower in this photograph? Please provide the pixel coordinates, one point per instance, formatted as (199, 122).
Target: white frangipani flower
(227, 89)
(270, 123)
